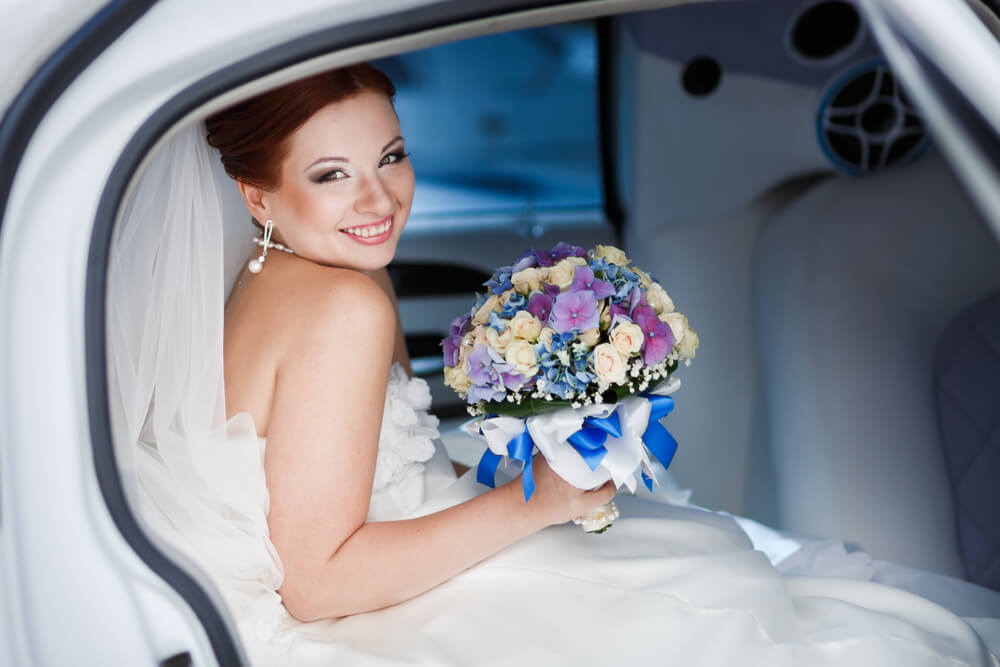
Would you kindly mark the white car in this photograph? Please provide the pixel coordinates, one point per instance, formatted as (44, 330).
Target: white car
(817, 181)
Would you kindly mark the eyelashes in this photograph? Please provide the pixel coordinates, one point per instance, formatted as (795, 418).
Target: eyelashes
(339, 174)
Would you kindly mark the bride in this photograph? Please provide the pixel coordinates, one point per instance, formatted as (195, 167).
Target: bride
(289, 453)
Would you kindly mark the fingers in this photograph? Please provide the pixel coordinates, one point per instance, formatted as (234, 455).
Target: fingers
(606, 491)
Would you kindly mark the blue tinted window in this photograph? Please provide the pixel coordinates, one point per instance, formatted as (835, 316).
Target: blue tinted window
(502, 124)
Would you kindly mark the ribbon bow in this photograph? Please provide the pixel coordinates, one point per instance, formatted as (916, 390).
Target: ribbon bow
(589, 443)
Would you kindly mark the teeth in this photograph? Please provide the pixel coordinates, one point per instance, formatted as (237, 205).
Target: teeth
(365, 232)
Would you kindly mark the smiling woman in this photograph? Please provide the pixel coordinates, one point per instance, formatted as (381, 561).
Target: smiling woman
(275, 147)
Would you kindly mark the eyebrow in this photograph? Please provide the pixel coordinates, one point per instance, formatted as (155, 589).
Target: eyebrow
(344, 159)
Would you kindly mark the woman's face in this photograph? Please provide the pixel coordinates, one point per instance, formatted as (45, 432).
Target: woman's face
(346, 185)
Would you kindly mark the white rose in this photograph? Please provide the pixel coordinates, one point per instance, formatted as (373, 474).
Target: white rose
(499, 341)
(482, 315)
(526, 326)
(528, 280)
(658, 298)
(608, 364)
(627, 339)
(521, 355)
(589, 337)
(561, 274)
(457, 379)
(612, 254)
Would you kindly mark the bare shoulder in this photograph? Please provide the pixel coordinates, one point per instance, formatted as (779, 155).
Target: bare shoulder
(326, 296)
(323, 305)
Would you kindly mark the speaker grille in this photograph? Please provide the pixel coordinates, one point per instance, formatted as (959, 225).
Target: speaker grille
(865, 121)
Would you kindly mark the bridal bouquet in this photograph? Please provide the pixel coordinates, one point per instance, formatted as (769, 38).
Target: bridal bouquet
(571, 352)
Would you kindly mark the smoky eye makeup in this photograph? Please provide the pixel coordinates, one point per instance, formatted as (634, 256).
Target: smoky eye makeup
(328, 175)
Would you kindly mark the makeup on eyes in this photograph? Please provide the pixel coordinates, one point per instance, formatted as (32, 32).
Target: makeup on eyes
(329, 175)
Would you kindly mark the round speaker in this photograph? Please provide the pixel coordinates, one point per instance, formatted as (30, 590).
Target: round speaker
(865, 121)
(824, 31)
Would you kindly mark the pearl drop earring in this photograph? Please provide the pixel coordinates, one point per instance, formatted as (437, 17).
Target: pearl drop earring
(255, 265)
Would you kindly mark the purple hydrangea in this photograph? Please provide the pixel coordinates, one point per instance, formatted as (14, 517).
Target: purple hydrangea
(658, 339)
(584, 279)
(460, 325)
(560, 252)
(485, 368)
(574, 311)
(540, 305)
(451, 345)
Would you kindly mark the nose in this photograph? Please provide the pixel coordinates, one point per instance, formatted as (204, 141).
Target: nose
(375, 198)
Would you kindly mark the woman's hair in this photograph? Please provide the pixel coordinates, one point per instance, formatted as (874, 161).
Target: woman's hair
(252, 136)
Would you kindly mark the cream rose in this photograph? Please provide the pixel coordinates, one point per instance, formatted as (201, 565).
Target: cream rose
(678, 325)
(522, 357)
(529, 280)
(608, 364)
(658, 298)
(482, 315)
(645, 280)
(457, 379)
(526, 326)
(468, 342)
(627, 339)
(612, 254)
(605, 317)
(545, 337)
(562, 273)
(499, 341)
(689, 345)
(479, 336)
(589, 337)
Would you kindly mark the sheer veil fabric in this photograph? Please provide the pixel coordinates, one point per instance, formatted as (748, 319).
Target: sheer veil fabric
(666, 585)
(199, 478)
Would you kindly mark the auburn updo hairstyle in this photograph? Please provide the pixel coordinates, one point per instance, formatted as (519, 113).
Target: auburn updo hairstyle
(252, 136)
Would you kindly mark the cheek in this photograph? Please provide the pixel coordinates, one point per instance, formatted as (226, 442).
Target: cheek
(316, 205)
(402, 183)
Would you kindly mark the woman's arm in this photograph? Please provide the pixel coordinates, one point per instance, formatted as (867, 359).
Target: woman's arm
(320, 460)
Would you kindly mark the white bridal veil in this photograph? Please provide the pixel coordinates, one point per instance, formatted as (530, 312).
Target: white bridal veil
(198, 479)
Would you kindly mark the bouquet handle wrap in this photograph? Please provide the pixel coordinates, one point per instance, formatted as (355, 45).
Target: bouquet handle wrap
(586, 446)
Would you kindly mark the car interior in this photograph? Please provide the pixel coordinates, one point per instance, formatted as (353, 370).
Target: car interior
(764, 163)
(790, 197)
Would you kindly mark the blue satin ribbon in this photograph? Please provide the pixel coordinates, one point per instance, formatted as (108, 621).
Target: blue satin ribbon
(519, 448)
(589, 443)
(656, 438)
(589, 440)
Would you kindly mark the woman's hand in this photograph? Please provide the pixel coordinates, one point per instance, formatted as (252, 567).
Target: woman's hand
(557, 501)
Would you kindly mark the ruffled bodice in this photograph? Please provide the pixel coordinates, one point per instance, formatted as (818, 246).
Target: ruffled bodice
(406, 442)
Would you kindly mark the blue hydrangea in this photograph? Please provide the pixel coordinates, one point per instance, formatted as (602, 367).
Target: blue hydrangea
(515, 303)
(500, 281)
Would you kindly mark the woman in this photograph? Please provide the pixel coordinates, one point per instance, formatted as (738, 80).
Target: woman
(309, 343)
(315, 477)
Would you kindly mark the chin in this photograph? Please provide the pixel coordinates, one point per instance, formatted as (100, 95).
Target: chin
(369, 259)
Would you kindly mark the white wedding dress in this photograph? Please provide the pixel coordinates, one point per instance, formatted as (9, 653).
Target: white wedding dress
(667, 584)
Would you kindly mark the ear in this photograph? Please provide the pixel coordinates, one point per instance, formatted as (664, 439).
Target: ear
(256, 200)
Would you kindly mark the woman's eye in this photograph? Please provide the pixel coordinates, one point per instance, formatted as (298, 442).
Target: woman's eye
(392, 158)
(332, 175)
